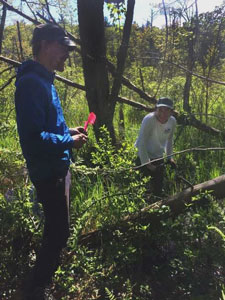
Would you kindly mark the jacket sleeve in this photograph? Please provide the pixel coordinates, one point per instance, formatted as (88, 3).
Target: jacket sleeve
(31, 101)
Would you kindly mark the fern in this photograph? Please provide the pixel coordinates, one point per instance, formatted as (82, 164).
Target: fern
(110, 294)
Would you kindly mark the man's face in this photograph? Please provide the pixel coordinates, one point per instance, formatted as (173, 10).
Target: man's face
(57, 54)
(163, 113)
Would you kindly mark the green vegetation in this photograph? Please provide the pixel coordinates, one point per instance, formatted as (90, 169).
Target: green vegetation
(179, 257)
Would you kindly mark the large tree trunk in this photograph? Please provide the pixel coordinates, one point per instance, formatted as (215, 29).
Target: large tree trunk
(93, 49)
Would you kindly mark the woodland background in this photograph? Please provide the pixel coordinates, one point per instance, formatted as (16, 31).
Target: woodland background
(125, 243)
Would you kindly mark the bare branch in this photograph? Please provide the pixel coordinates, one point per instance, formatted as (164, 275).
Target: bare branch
(20, 40)
(62, 79)
(48, 11)
(142, 80)
(7, 83)
(10, 61)
(33, 13)
(122, 53)
(196, 149)
(70, 83)
(188, 71)
(11, 8)
(5, 70)
(135, 104)
(131, 86)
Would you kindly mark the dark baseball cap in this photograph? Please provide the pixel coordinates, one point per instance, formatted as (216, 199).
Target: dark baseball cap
(52, 32)
(164, 101)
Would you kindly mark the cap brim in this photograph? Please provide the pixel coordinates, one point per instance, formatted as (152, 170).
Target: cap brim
(160, 105)
(69, 43)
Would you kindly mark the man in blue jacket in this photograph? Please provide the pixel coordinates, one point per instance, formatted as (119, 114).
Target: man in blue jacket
(46, 142)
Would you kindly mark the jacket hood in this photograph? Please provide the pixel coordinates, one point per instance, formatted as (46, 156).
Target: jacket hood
(31, 66)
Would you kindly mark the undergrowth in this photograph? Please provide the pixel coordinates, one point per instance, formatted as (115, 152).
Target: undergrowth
(180, 257)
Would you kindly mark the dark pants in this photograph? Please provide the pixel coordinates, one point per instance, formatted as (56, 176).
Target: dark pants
(156, 181)
(54, 197)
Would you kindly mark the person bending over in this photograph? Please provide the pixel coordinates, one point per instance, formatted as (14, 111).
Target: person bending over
(156, 139)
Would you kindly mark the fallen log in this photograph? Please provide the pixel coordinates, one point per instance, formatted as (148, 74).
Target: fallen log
(177, 204)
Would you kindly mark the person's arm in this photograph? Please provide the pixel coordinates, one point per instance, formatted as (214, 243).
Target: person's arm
(31, 101)
(169, 146)
(144, 135)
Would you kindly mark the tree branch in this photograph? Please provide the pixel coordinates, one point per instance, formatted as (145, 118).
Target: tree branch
(48, 11)
(122, 53)
(11, 8)
(62, 79)
(31, 10)
(20, 40)
(7, 83)
(188, 71)
(130, 85)
(5, 70)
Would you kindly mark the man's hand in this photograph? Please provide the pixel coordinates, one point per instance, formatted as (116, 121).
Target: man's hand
(77, 130)
(79, 139)
(151, 167)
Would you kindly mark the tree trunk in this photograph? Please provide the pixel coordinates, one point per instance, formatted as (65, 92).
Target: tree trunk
(192, 40)
(2, 25)
(93, 50)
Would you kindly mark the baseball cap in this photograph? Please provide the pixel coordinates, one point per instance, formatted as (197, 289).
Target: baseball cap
(52, 32)
(165, 102)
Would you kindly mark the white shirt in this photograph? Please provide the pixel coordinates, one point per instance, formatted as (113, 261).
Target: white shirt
(155, 138)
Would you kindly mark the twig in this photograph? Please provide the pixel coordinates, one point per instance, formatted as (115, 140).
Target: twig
(186, 70)
(33, 13)
(142, 80)
(181, 152)
(7, 83)
(62, 79)
(48, 11)
(20, 40)
(10, 7)
(5, 70)
(110, 171)
(208, 115)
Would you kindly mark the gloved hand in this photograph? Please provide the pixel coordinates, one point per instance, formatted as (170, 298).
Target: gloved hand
(172, 163)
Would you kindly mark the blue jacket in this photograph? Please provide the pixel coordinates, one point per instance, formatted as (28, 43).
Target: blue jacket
(44, 136)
